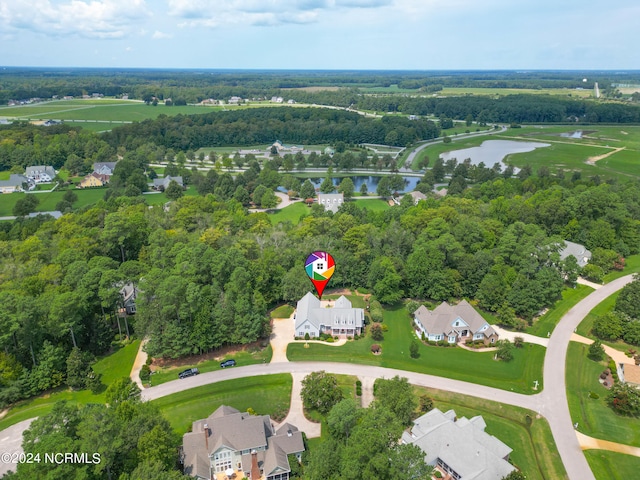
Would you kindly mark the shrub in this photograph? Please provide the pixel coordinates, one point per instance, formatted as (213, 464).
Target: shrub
(330, 340)
(376, 331)
(306, 336)
(385, 327)
(349, 337)
(149, 360)
(596, 351)
(425, 403)
(518, 342)
(414, 349)
(375, 348)
(594, 395)
(145, 373)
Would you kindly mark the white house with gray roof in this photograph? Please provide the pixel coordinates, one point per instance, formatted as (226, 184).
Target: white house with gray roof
(341, 320)
(16, 183)
(40, 173)
(331, 201)
(163, 183)
(230, 442)
(104, 168)
(459, 447)
(453, 323)
(579, 252)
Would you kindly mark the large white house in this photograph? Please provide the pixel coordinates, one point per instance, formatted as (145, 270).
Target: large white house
(230, 443)
(453, 323)
(459, 447)
(40, 173)
(331, 201)
(341, 320)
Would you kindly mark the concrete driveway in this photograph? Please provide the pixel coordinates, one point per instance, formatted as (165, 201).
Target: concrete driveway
(11, 442)
(282, 333)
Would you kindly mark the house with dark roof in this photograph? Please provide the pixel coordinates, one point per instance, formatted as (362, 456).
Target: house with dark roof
(104, 168)
(230, 442)
(579, 252)
(453, 323)
(163, 183)
(459, 447)
(341, 320)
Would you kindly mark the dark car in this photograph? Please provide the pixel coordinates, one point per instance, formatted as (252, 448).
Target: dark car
(228, 363)
(189, 372)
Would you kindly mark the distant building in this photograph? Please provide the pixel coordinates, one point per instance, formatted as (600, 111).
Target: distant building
(453, 323)
(417, 196)
(54, 213)
(277, 99)
(341, 320)
(40, 173)
(235, 100)
(163, 183)
(15, 184)
(579, 252)
(459, 447)
(104, 168)
(234, 444)
(331, 201)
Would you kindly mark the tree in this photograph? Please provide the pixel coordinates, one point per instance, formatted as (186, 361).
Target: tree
(593, 273)
(624, 399)
(174, 191)
(608, 326)
(120, 391)
(307, 190)
(342, 418)
(414, 349)
(364, 190)
(596, 351)
(70, 196)
(385, 280)
(346, 187)
(505, 350)
(425, 403)
(628, 301)
(515, 475)
(397, 396)
(376, 332)
(26, 205)
(320, 391)
(268, 199)
(383, 189)
(327, 185)
(78, 368)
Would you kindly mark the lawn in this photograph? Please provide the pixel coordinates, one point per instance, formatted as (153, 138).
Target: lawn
(283, 311)
(161, 198)
(570, 297)
(612, 465)
(632, 265)
(112, 367)
(48, 201)
(594, 417)
(292, 213)
(534, 450)
(266, 394)
(373, 204)
(517, 375)
(243, 357)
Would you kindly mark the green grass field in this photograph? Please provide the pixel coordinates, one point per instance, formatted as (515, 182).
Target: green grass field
(283, 311)
(49, 200)
(292, 213)
(570, 297)
(373, 204)
(243, 358)
(594, 417)
(612, 465)
(266, 394)
(112, 367)
(632, 265)
(456, 91)
(517, 375)
(534, 450)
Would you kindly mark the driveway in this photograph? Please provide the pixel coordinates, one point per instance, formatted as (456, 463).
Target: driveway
(282, 332)
(11, 442)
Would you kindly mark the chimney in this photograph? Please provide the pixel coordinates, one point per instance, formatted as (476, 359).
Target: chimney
(255, 470)
(206, 436)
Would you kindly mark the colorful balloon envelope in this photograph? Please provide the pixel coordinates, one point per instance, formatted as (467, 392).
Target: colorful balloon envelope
(320, 267)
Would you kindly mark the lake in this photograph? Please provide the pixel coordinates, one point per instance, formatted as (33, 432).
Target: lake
(492, 151)
(371, 181)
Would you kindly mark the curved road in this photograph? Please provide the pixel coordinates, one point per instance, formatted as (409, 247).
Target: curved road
(551, 402)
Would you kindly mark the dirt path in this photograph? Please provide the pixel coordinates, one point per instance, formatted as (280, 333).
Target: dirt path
(589, 443)
(141, 359)
(593, 160)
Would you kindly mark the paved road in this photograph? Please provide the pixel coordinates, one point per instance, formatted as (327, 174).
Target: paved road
(11, 442)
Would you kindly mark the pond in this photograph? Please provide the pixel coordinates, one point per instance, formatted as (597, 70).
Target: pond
(492, 151)
(371, 181)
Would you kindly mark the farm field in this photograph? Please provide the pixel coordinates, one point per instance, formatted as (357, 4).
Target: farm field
(534, 450)
(517, 375)
(593, 415)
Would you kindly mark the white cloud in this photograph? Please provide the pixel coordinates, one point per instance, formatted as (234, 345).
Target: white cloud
(158, 35)
(260, 12)
(87, 18)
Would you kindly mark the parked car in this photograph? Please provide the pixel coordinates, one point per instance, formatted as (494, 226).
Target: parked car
(189, 372)
(228, 363)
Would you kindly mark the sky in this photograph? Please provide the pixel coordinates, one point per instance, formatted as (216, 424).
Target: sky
(322, 34)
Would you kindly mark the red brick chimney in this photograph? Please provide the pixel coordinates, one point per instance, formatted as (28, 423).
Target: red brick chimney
(255, 470)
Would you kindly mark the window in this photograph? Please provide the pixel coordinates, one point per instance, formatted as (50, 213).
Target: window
(306, 327)
(222, 461)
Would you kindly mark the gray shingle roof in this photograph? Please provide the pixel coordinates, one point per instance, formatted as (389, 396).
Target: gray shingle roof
(342, 315)
(165, 181)
(37, 170)
(331, 201)
(15, 180)
(443, 318)
(580, 252)
(463, 445)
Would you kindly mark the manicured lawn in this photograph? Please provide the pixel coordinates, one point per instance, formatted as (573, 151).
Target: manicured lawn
(517, 375)
(292, 213)
(245, 357)
(161, 198)
(266, 394)
(594, 417)
(534, 450)
(356, 300)
(48, 201)
(374, 204)
(112, 367)
(632, 265)
(570, 297)
(283, 311)
(612, 465)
